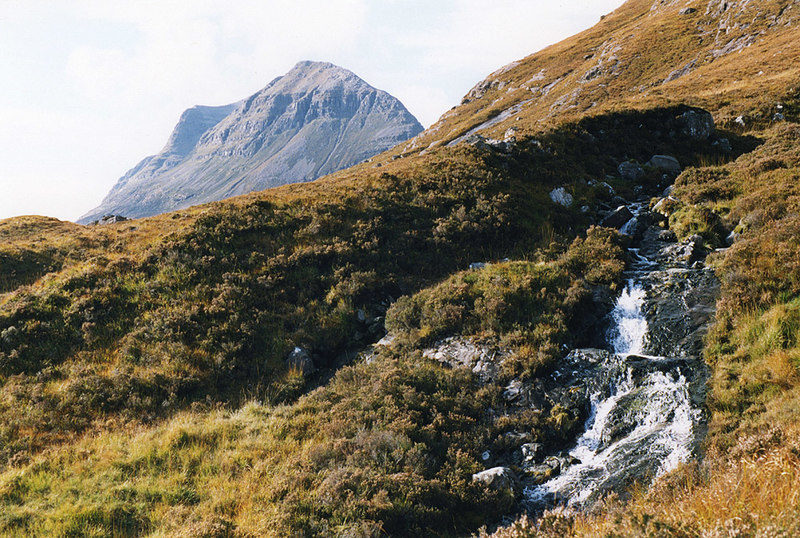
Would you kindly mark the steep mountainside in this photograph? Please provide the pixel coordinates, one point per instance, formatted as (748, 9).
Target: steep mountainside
(735, 58)
(407, 349)
(316, 119)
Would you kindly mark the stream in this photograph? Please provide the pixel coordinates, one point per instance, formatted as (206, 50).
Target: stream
(646, 389)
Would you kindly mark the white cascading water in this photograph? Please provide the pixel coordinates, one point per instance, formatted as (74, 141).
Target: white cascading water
(630, 325)
(661, 424)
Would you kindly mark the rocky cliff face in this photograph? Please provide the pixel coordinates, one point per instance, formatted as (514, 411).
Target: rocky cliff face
(316, 119)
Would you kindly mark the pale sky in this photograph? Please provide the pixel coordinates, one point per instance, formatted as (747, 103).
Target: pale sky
(91, 87)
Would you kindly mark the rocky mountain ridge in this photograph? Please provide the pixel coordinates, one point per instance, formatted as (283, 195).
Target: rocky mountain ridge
(315, 120)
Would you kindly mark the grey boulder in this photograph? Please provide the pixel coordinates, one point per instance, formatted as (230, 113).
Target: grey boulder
(300, 360)
(630, 171)
(561, 197)
(697, 124)
(666, 163)
(618, 217)
(500, 479)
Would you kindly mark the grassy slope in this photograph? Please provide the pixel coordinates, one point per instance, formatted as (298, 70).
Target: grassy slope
(386, 446)
(623, 62)
(211, 309)
(147, 327)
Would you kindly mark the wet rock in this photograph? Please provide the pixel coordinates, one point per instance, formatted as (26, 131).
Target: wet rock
(622, 418)
(665, 162)
(586, 356)
(667, 236)
(377, 327)
(608, 188)
(638, 225)
(697, 125)
(583, 372)
(686, 252)
(618, 217)
(617, 201)
(630, 171)
(500, 479)
(300, 360)
(550, 468)
(531, 453)
(681, 303)
(547, 470)
(697, 240)
(679, 252)
(513, 390)
(561, 197)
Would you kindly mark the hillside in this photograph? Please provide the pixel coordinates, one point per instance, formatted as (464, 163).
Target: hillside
(213, 371)
(734, 58)
(316, 119)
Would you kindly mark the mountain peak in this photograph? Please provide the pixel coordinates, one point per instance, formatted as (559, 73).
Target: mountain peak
(314, 120)
(307, 76)
(309, 65)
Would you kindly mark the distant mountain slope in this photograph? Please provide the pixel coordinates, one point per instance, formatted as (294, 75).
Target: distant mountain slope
(316, 119)
(733, 58)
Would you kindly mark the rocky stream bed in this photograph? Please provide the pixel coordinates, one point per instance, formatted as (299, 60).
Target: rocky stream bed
(645, 391)
(641, 396)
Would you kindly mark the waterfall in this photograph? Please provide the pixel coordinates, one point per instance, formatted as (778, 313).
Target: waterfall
(642, 419)
(630, 325)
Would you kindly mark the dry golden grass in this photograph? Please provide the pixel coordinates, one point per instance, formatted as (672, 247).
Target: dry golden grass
(634, 50)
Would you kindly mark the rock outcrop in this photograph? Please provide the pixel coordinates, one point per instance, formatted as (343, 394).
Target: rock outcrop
(316, 119)
(561, 196)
